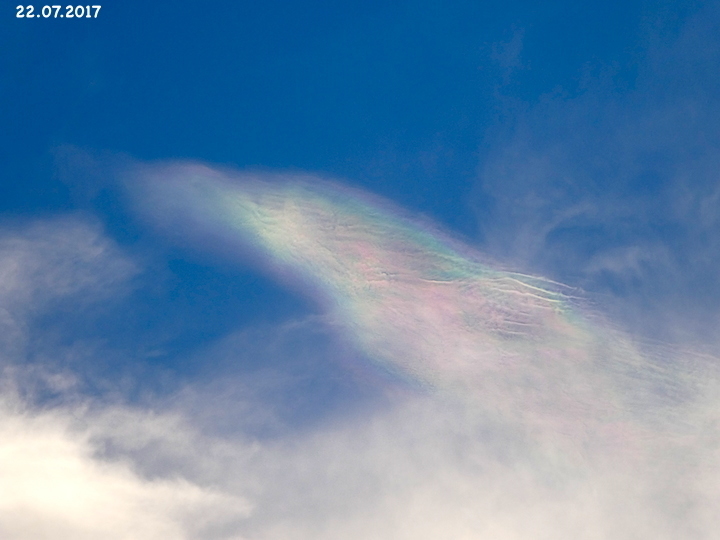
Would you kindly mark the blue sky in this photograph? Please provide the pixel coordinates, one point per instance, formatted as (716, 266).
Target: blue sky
(180, 355)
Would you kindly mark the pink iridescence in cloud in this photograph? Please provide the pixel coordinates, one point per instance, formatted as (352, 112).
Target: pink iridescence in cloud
(425, 306)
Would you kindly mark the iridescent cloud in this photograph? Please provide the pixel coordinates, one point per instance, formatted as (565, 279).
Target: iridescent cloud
(429, 308)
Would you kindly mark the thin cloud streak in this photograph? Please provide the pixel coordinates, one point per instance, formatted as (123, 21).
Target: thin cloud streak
(614, 188)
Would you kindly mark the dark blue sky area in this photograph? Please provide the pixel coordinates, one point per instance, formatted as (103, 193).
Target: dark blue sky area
(397, 96)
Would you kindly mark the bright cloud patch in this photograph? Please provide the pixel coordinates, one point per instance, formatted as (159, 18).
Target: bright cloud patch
(54, 486)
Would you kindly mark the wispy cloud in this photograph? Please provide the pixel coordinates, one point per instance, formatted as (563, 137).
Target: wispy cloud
(616, 189)
(48, 261)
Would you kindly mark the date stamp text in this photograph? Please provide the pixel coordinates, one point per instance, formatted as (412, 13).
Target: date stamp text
(58, 12)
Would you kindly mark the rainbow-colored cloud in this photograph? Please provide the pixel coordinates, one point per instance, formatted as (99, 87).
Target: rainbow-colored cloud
(430, 309)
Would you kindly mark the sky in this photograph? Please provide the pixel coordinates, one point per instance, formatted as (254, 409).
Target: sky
(361, 270)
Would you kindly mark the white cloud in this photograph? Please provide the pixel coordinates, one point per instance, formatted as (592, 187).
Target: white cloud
(56, 258)
(422, 469)
(49, 260)
(425, 469)
(55, 481)
(54, 486)
(421, 466)
(60, 475)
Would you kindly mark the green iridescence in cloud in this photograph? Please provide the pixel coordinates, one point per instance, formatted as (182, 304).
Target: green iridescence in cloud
(425, 306)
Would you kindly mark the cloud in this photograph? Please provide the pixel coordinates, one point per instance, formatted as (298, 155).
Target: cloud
(54, 485)
(508, 409)
(417, 470)
(55, 481)
(614, 188)
(508, 54)
(58, 258)
(505, 408)
(421, 469)
(524, 413)
(45, 262)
